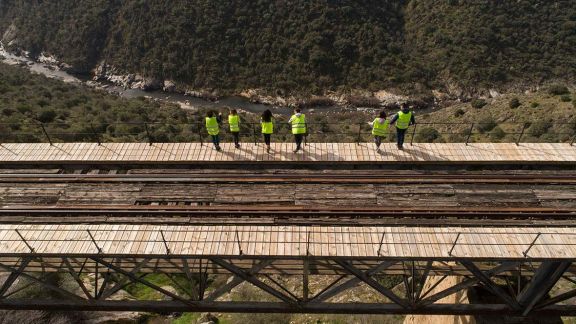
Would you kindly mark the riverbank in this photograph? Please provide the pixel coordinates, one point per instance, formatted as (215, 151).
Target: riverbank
(252, 100)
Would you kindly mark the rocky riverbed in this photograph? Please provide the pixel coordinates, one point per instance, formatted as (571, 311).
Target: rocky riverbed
(110, 79)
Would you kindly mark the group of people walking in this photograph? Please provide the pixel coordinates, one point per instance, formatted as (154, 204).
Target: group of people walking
(402, 121)
(297, 121)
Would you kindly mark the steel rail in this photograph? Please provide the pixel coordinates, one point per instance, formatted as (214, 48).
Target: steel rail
(292, 178)
(293, 216)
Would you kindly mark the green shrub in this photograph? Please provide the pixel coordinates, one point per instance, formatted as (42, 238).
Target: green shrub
(558, 90)
(427, 135)
(316, 102)
(24, 108)
(539, 128)
(514, 103)
(478, 103)
(47, 116)
(8, 112)
(362, 101)
(565, 98)
(535, 105)
(497, 134)
(486, 124)
(459, 113)
(549, 138)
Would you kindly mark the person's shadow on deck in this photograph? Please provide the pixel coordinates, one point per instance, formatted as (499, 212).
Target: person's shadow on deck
(306, 155)
(417, 154)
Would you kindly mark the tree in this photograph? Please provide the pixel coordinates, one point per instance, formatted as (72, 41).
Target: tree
(558, 90)
(427, 135)
(514, 103)
(478, 103)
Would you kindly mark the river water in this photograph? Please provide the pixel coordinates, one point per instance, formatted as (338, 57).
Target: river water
(185, 102)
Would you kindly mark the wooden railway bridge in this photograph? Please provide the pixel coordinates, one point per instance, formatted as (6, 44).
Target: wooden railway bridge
(526, 266)
(125, 254)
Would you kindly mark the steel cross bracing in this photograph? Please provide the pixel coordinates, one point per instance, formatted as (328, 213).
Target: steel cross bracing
(519, 286)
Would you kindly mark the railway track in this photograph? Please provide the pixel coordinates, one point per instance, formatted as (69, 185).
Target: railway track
(297, 178)
(291, 215)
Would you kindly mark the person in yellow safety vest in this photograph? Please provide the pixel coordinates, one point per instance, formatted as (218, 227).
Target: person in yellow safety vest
(267, 123)
(403, 119)
(213, 127)
(380, 129)
(298, 122)
(234, 122)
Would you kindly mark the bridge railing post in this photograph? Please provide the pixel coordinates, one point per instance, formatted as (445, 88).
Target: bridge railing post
(413, 134)
(46, 134)
(308, 242)
(524, 126)
(96, 135)
(525, 253)
(239, 245)
(454, 244)
(254, 134)
(25, 242)
(381, 243)
(148, 134)
(200, 134)
(359, 138)
(469, 134)
(94, 241)
(165, 242)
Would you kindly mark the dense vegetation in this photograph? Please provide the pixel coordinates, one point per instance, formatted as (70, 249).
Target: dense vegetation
(76, 113)
(305, 45)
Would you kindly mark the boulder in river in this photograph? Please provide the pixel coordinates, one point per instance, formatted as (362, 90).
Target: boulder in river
(151, 84)
(169, 86)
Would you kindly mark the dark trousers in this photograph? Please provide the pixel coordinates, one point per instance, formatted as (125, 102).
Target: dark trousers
(216, 140)
(267, 138)
(377, 140)
(400, 134)
(236, 138)
(298, 138)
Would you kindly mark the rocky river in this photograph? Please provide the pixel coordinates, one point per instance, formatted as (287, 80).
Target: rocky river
(50, 68)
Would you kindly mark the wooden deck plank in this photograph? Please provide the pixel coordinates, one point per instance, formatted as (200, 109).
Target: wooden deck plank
(332, 241)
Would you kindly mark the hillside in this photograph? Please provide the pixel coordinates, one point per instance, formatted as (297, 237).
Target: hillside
(306, 46)
(73, 112)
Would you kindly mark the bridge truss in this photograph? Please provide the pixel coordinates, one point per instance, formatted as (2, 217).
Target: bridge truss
(299, 269)
(521, 287)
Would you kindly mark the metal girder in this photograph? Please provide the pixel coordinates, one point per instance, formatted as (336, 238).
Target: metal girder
(120, 284)
(237, 280)
(278, 307)
(137, 279)
(13, 276)
(253, 280)
(126, 270)
(543, 281)
(42, 282)
(77, 279)
(350, 283)
(485, 279)
(505, 266)
(374, 284)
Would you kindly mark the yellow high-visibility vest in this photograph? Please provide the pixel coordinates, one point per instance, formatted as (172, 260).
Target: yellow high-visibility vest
(298, 124)
(403, 120)
(212, 126)
(267, 127)
(380, 129)
(234, 122)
